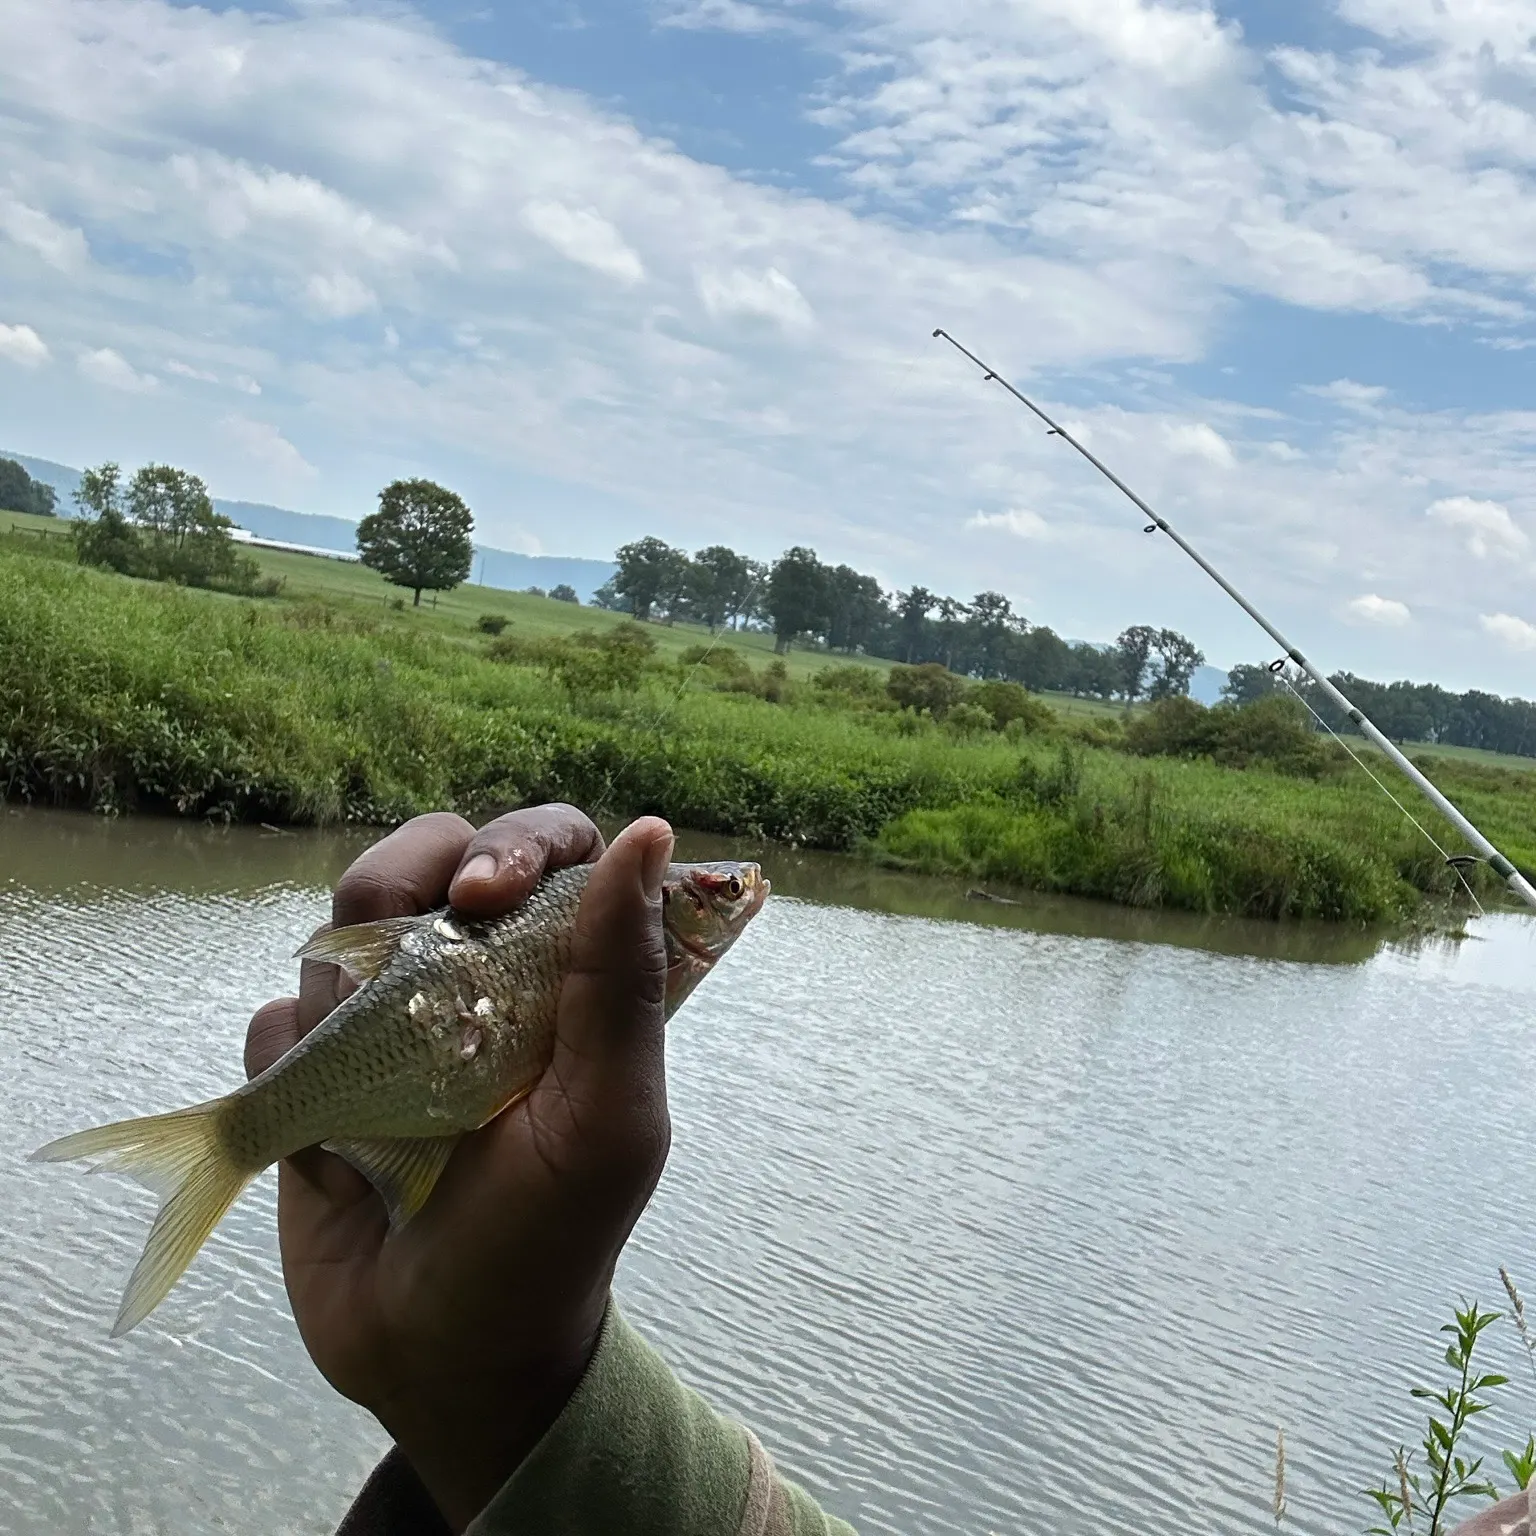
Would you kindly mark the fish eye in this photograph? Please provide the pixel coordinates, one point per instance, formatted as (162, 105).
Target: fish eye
(734, 887)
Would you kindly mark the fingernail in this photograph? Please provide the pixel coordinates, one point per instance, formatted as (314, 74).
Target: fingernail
(657, 856)
(481, 867)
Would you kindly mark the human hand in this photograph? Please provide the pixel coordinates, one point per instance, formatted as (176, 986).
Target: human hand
(465, 1332)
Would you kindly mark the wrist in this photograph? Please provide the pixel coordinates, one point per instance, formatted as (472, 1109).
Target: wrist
(465, 1439)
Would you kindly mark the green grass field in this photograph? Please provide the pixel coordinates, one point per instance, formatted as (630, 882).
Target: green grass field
(325, 706)
(353, 588)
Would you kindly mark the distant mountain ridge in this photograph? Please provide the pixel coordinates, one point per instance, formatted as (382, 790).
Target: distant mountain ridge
(493, 567)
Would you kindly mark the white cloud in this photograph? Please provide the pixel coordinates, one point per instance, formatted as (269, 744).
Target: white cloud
(104, 366)
(1116, 189)
(1371, 609)
(1489, 528)
(727, 16)
(586, 237)
(187, 371)
(58, 244)
(1515, 633)
(21, 344)
(339, 295)
(1151, 132)
(262, 442)
(1346, 392)
(767, 294)
(1202, 441)
(1019, 521)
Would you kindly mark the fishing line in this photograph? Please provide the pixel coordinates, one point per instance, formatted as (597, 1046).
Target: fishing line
(1453, 863)
(1500, 865)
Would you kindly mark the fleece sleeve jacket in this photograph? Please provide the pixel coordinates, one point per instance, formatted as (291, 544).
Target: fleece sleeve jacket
(634, 1453)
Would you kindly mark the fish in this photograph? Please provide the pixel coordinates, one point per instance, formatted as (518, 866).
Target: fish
(453, 1022)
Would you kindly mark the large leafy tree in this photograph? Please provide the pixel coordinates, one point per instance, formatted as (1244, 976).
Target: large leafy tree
(1177, 658)
(1134, 652)
(912, 610)
(797, 599)
(19, 492)
(174, 507)
(651, 574)
(729, 578)
(419, 538)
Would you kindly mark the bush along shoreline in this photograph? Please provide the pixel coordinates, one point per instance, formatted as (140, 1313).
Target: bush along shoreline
(123, 695)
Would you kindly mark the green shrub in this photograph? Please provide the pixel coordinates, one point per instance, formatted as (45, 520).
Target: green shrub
(966, 719)
(855, 684)
(720, 661)
(492, 623)
(928, 686)
(1272, 732)
(1012, 704)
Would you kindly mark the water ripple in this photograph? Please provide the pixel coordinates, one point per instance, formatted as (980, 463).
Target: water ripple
(980, 1229)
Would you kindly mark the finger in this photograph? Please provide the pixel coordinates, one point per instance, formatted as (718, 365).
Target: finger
(507, 857)
(608, 1038)
(403, 874)
(400, 875)
(274, 1027)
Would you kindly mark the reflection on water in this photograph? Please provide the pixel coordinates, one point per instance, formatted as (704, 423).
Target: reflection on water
(1022, 1223)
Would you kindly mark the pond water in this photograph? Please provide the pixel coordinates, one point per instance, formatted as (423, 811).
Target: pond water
(987, 1218)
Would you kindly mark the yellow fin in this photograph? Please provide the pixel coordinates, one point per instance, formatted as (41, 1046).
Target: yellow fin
(364, 949)
(181, 1157)
(404, 1170)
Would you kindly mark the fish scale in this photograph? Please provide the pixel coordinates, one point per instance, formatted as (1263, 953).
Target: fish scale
(453, 1021)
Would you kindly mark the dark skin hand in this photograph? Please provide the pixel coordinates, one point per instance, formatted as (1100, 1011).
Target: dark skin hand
(466, 1332)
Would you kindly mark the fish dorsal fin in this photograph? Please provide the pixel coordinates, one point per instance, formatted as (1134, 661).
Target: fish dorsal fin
(364, 949)
(404, 1170)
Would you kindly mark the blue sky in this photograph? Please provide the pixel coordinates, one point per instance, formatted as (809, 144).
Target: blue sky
(671, 266)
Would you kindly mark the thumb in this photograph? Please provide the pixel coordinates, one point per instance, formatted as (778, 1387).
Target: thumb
(609, 1030)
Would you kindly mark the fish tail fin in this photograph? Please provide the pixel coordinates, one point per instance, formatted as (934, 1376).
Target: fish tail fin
(183, 1159)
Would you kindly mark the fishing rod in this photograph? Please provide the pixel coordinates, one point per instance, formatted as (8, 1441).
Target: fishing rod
(1496, 861)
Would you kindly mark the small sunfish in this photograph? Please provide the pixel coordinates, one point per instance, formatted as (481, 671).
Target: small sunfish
(453, 1022)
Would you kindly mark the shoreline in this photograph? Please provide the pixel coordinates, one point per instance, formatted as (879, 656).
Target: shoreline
(123, 695)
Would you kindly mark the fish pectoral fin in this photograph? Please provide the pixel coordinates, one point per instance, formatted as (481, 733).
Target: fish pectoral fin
(364, 949)
(404, 1170)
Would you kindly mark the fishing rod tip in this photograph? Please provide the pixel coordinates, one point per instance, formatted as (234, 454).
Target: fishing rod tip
(937, 332)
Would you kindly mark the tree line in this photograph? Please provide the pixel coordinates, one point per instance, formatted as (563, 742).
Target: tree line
(1404, 711)
(19, 492)
(801, 599)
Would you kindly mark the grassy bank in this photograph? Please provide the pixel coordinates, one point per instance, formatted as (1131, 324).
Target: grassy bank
(117, 694)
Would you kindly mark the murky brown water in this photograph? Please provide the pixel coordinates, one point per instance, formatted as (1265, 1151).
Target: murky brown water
(1040, 1219)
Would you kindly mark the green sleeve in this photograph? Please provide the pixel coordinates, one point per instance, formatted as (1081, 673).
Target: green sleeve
(635, 1451)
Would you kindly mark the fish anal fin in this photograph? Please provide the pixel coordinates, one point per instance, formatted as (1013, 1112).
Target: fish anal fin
(404, 1170)
(364, 949)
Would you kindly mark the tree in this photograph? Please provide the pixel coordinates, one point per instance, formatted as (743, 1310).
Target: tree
(912, 610)
(1247, 683)
(103, 534)
(797, 596)
(1177, 659)
(564, 592)
(651, 574)
(1134, 651)
(174, 507)
(608, 596)
(728, 579)
(991, 619)
(419, 538)
(855, 608)
(19, 492)
(951, 627)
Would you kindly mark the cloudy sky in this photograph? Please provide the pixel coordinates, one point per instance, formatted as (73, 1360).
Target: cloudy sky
(610, 267)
